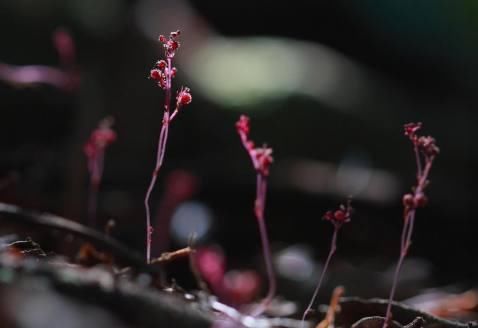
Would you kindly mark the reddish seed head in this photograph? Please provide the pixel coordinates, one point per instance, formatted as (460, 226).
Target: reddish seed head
(184, 97)
(428, 146)
(339, 216)
(412, 128)
(156, 74)
(173, 45)
(161, 64)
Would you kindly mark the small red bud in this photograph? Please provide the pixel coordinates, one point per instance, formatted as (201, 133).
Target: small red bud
(156, 74)
(173, 72)
(184, 97)
(329, 216)
(162, 83)
(173, 45)
(162, 38)
(408, 200)
(161, 64)
(339, 215)
(421, 200)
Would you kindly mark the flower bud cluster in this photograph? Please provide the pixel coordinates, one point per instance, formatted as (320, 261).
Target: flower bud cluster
(425, 144)
(261, 156)
(340, 216)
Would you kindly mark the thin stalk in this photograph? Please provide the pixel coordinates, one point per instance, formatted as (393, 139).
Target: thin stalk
(418, 161)
(407, 230)
(96, 174)
(259, 210)
(92, 203)
(163, 137)
(333, 248)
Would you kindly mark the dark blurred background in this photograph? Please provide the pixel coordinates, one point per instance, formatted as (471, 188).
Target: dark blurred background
(327, 84)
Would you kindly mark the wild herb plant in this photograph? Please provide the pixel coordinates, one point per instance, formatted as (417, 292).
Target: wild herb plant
(425, 151)
(338, 217)
(261, 158)
(163, 73)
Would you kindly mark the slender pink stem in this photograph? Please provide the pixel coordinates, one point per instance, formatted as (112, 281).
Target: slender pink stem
(259, 211)
(418, 161)
(407, 230)
(96, 174)
(159, 162)
(333, 248)
(163, 138)
(92, 204)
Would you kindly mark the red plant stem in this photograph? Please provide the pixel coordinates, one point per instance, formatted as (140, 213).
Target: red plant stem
(418, 161)
(407, 231)
(96, 175)
(92, 204)
(163, 138)
(333, 248)
(259, 211)
(408, 226)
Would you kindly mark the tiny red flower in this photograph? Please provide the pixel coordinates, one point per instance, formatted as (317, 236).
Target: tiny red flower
(156, 74)
(411, 129)
(408, 201)
(170, 43)
(184, 97)
(161, 64)
(340, 216)
(428, 146)
(263, 160)
(173, 45)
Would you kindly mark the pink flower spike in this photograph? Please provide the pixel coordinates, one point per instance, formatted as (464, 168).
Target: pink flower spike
(261, 160)
(242, 125)
(337, 218)
(94, 149)
(163, 73)
(425, 151)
